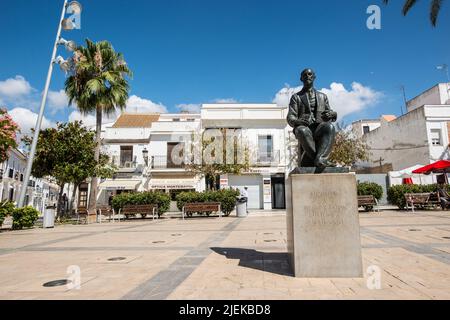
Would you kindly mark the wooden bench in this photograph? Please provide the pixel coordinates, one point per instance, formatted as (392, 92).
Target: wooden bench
(368, 202)
(88, 217)
(142, 209)
(105, 211)
(421, 200)
(201, 207)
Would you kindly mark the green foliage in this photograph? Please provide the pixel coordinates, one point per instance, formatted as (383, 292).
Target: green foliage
(396, 194)
(98, 82)
(158, 198)
(6, 209)
(226, 197)
(435, 8)
(370, 189)
(348, 149)
(24, 217)
(8, 130)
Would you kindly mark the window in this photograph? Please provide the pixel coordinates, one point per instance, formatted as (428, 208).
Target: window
(366, 129)
(11, 194)
(126, 155)
(436, 137)
(11, 173)
(174, 157)
(265, 148)
(21, 177)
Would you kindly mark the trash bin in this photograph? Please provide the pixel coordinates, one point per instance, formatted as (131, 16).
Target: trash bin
(49, 217)
(241, 207)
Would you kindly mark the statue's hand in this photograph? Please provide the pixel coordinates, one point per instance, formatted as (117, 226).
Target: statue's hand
(329, 115)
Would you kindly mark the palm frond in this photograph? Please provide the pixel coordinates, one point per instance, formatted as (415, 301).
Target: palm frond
(434, 12)
(407, 6)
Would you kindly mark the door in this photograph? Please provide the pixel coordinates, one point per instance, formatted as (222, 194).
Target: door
(278, 193)
(255, 189)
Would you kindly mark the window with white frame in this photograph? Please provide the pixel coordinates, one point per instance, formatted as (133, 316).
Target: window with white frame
(436, 137)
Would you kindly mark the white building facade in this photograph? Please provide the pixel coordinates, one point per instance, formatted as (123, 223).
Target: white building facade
(40, 192)
(421, 136)
(143, 147)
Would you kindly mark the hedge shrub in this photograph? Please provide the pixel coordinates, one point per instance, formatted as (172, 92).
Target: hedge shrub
(370, 189)
(158, 198)
(24, 217)
(6, 208)
(396, 194)
(226, 197)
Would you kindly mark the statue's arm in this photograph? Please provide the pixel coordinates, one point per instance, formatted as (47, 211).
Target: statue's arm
(293, 118)
(330, 114)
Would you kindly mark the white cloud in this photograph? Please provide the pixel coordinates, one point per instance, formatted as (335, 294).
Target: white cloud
(26, 119)
(137, 104)
(89, 120)
(342, 100)
(224, 101)
(190, 108)
(57, 101)
(15, 87)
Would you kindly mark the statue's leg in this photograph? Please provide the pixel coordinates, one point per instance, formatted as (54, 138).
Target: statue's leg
(324, 136)
(306, 139)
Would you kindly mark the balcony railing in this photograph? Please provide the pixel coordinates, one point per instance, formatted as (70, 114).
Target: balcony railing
(163, 162)
(268, 159)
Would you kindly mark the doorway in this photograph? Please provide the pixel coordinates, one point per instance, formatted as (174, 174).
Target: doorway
(278, 193)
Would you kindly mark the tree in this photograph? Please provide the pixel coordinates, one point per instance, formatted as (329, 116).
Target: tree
(435, 8)
(206, 163)
(348, 148)
(66, 153)
(8, 130)
(98, 83)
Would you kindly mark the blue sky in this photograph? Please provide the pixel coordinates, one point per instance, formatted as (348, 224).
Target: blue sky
(200, 51)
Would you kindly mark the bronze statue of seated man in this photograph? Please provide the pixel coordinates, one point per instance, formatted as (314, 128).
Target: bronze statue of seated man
(312, 119)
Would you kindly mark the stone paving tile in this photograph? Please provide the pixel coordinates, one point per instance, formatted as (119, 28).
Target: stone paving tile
(221, 258)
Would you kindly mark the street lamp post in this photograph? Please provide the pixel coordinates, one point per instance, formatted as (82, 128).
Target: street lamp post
(66, 23)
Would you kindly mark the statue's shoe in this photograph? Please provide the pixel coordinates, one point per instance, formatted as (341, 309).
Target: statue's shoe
(323, 163)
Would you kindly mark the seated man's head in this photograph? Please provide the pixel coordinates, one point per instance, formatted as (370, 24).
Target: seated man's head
(308, 77)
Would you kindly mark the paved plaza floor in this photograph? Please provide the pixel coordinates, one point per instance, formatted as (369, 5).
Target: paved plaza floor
(221, 258)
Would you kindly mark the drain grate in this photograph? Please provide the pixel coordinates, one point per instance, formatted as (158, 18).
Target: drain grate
(156, 242)
(56, 283)
(117, 259)
(270, 240)
(176, 235)
(448, 238)
(414, 230)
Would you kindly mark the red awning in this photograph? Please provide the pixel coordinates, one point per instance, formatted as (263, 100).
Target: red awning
(437, 167)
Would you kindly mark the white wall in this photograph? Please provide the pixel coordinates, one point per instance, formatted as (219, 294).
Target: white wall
(402, 142)
(438, 95)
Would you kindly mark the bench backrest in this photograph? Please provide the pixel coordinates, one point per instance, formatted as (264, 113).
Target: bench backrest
(370, 199)
(202, 206)
(104, 209)
(141, 208)
(417, 197)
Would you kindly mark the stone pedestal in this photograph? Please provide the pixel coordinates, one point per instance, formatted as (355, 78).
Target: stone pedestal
(323, 225)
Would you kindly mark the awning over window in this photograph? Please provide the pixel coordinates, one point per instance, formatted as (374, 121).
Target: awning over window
(120, 185)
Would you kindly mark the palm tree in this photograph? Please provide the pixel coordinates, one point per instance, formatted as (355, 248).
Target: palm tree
(434, 10)
(98, 83)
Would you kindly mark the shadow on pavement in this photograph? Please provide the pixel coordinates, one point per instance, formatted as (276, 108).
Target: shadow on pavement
(273, 262)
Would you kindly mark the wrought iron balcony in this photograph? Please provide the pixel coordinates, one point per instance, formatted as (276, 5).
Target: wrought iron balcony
(163, 162)
(268, 159)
